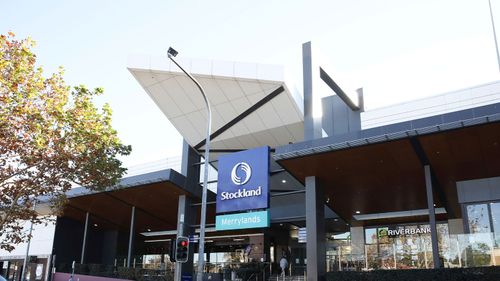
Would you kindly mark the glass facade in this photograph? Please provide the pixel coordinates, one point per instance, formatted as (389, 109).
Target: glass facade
(478, 218)
(409, 246)
(483, 222)
(484, 218)
(400, 247)
(495, 221)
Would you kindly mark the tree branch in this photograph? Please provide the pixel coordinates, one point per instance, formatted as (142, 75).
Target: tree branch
(3, 180)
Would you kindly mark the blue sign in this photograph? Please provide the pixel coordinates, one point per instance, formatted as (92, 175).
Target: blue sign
(302, 235)
(194, 238)
(242, 220)
(243, 181)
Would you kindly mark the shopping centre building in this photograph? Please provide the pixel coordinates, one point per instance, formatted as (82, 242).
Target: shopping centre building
(413, 185)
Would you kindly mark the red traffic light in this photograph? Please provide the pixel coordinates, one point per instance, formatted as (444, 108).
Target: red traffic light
(182, 249)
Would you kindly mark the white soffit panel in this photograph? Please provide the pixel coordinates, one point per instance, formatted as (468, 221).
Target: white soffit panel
(232, 88)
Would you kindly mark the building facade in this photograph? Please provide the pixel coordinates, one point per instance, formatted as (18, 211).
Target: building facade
(414, 185)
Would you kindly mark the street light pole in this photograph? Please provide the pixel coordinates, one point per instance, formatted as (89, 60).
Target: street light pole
(201, 250)
(494, 35)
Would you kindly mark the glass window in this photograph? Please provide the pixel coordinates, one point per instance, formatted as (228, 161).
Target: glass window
(479, 220)
(371, 236)
(495, 219)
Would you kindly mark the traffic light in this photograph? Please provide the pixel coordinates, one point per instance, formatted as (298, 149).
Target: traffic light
(182, 249)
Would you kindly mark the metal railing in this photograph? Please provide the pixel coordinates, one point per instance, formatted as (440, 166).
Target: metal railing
(119, 272)
(251, 271)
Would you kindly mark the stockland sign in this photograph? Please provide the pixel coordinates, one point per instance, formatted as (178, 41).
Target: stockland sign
(243, 185)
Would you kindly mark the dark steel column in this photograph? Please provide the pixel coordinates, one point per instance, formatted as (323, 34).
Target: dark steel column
(188, 167)
(186, 215)
(315, 227)
(432, 216)
(185, 220)
(131, 237)
(85, 230)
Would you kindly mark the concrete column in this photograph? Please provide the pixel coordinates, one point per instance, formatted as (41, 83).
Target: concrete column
(432, 216)
(310, 72)
(186, 216)
(315, 225)
(131, 237)
(85, 231)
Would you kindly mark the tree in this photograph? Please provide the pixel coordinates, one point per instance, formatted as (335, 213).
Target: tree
(52, 137)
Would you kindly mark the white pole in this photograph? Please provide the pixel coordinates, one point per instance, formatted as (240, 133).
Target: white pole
(84, 242)
(394, 254)
(366, 257)
(459, 254)
(340, 262)
(425, 252)
(27, 248)
(131, 236)
(494, 34)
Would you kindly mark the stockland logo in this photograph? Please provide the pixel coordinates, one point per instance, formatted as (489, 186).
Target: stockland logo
(240, 175)
(243, 180)
(245, 170)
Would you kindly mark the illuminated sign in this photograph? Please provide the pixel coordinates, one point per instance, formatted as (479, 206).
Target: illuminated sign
(403, 231)
(243, 181)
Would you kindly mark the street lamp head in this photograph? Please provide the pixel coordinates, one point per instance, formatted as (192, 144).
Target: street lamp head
(171, 52)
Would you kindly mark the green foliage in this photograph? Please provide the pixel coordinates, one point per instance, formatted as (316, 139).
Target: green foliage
(52, 137)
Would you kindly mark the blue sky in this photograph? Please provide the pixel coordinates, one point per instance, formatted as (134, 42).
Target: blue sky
(397, 50)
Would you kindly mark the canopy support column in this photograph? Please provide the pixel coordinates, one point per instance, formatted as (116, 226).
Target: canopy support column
(131, 237)
(315, 230)
(85, 231)
(432, 216)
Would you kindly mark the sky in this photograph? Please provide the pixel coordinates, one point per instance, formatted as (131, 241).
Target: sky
(397, 50)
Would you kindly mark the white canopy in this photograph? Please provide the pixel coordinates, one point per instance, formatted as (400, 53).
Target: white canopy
(251, 103)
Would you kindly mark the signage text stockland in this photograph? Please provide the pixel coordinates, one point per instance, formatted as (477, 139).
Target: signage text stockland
(242, 220)
(241, 193)
(243, 181)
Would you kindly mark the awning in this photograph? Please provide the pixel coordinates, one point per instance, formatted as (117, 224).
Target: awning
(380, 170)
(155, 197)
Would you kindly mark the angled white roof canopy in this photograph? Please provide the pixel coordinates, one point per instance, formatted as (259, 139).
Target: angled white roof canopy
(251, 103)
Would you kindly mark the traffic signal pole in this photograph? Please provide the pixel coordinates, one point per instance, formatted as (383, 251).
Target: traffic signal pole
(185, 219)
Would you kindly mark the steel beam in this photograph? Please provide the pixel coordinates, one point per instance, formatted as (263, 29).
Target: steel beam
(131, 237)
(432, 216)
(85, 230)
